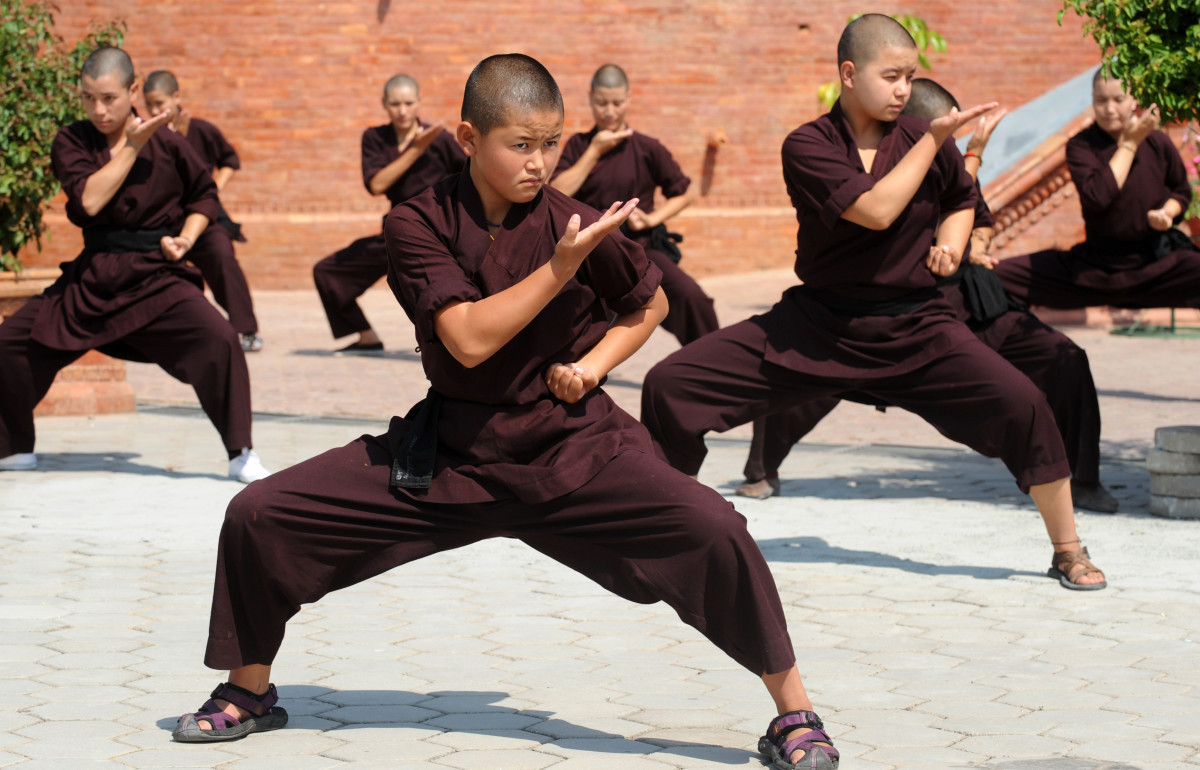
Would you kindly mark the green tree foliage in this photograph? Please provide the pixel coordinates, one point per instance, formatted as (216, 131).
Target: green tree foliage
(925, 38)
(1152, 47)
(39, 94)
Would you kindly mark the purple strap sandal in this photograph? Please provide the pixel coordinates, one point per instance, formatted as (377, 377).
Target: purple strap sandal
(264, 715)
(778, 746)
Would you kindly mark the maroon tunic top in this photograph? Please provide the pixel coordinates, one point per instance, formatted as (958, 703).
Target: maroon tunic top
(211, 145)
(380, 146)
(824, 176)
(501, 433)
(102, 296)
(1115, 219)
(632, 169)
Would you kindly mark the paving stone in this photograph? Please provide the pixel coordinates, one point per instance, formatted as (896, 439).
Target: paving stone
(517, 760)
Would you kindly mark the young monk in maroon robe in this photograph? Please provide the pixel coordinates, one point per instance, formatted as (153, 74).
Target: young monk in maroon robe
(142, 197)
(213, 252)
(613, 162)
(511, 286)
(1050, 359)
(399, 159)
(1133, 190)
(885, 209)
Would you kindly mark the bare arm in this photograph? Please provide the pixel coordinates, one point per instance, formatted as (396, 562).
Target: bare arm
(569, 180)
(175, 247)
(103, 185)
(670, 207)
(950, 242)
(391, 173)
(474, 331)
(878, 208)
(973, 157)
(1139, 128)
(222, 176)
(571, 381)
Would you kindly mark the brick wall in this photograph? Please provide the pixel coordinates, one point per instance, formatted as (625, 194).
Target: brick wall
(294, 84)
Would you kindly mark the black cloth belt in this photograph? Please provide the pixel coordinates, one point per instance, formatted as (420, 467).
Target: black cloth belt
(861, 307)
(119, 239)
(414, 450)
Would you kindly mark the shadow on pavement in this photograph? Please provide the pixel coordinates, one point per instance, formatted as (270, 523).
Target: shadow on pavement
(113, 462)
(440, 712)
(815, 550)
(393, 355)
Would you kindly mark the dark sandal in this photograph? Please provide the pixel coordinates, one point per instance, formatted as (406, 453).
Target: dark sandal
(264, 715)
(1064, 562)
(778, 746)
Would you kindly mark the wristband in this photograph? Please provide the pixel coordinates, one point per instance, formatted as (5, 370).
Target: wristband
(1128, 146)
(974, 155)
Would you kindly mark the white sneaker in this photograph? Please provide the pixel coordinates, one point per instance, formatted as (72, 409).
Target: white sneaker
(21, 461)
(246, 467)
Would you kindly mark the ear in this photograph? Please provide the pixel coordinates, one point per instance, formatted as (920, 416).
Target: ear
(467, 137)
(846, 73)
(135, 89)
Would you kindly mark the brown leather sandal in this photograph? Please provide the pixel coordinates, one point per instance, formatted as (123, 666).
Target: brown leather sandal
(1068, 564)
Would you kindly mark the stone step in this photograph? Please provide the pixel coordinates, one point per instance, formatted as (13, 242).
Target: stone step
(1178, 438)
(1159, 461)
(1175, 485)
(1175, 507)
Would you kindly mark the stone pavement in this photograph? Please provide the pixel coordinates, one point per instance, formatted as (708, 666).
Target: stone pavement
(912, 572)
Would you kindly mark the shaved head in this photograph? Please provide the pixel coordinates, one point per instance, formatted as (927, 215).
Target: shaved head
(508, 86)
(610, 76)
(1100, 77)
(929, 100)
(866, 36)
(161, 80)
(106, 60)
(401, 81)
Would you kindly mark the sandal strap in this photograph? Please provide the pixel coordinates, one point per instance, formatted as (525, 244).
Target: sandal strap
(791, 720)
(212, 714)
(257, 705)
(1066, 561)
(808, 742)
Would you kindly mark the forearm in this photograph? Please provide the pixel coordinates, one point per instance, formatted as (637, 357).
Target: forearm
(391, 173)
(972, 163)
(193, 227)
(1172, 208)
(221, 176)
(571, 179)
(1122, 161)
(474, 331)
(103, 185)
(878, 208)
(955, 230)
(670, 208)
(626, 336)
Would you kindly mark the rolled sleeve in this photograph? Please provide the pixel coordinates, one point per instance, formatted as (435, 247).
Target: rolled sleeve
(422, 272)
(73, 164)
(821, 180)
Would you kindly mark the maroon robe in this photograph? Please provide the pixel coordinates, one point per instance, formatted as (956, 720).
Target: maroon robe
(1049, 358)
(635, 168)
(343, 276)
(875, 328)
(1123, 261)
(131, 304)
(213, 253)
(512, 460)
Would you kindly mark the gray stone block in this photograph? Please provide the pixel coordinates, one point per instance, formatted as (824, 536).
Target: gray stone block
(1175, 485)
(1175, 507)
(1178, 438)
(1159, 461)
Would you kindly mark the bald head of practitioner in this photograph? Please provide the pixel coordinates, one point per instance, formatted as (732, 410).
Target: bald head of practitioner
(162, 94)
(877, 59)
(402, 102)
(1117, 112)
(108, 88)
